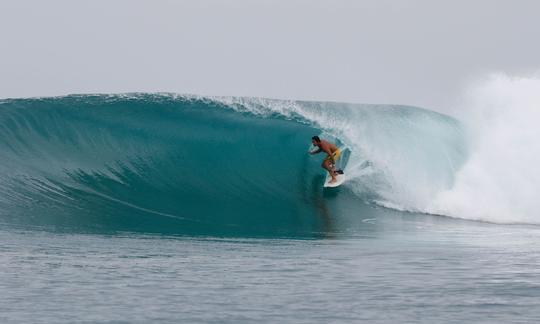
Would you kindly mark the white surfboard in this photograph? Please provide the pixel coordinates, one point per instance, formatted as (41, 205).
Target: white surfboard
(340, 178)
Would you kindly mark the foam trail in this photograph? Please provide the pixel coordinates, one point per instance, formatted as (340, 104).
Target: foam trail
(500, 181)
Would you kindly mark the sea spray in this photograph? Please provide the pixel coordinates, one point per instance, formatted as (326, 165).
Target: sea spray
(500, 181)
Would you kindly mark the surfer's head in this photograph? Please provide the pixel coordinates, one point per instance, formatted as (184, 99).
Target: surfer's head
(315, 140)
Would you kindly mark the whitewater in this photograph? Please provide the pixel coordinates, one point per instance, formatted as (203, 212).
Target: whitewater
(498, 182)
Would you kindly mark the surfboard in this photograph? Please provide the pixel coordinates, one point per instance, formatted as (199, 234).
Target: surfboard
(340, 178)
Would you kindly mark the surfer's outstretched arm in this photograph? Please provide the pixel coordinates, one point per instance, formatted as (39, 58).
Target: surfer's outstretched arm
(316, 151)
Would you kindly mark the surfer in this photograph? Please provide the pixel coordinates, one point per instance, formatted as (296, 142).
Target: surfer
(332, 152)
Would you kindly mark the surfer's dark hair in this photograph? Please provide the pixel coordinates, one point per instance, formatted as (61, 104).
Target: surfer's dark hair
(316, 139)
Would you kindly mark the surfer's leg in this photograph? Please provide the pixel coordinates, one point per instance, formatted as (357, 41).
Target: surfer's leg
(329, 167)
(335, 156)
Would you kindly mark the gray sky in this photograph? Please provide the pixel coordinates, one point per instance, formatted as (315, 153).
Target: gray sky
(419, 52)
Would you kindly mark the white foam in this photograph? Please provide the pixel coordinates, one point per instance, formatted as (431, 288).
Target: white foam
(500, 181)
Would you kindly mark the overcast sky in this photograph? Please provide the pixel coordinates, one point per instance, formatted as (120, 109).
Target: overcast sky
(418, 52)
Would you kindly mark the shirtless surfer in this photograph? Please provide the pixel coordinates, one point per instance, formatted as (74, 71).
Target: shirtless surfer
(329, 161)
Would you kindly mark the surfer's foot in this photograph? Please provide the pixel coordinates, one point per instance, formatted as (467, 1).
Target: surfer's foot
(333, 180)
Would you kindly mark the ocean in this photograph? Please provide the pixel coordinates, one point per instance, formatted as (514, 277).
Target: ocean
(137, 208)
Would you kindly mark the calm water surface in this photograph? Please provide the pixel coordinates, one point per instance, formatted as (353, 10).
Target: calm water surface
(397, 268)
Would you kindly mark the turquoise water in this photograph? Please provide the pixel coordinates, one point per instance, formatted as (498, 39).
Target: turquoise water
(163, 208)
(220, 167)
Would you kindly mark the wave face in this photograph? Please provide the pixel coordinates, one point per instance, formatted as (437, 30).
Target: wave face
(172, 164)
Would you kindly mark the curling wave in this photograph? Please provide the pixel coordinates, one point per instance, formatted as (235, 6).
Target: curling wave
(213, 166)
